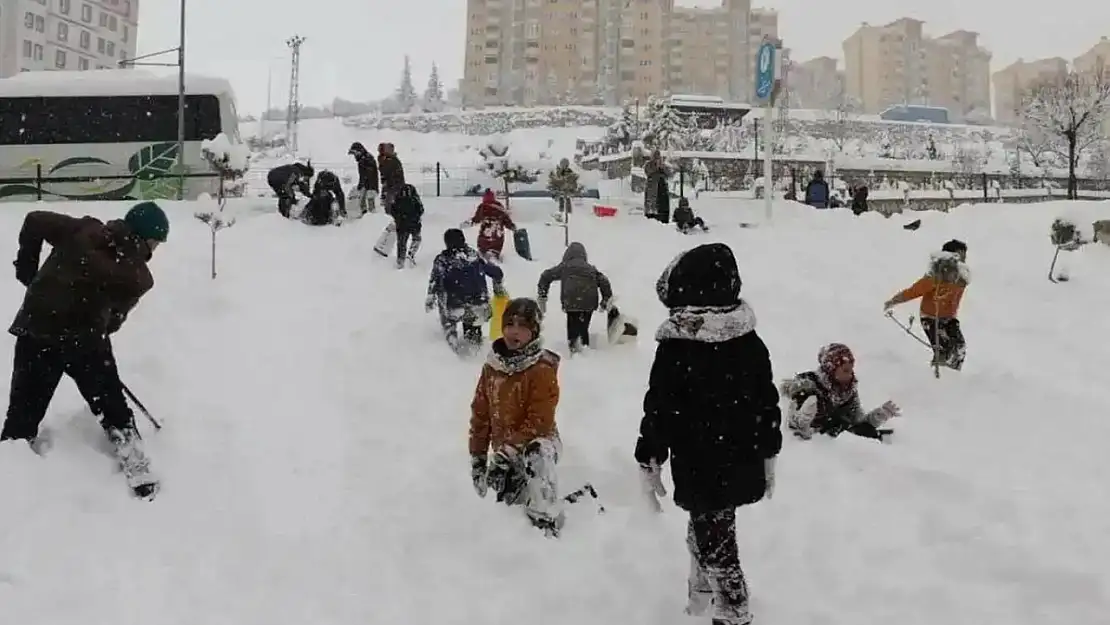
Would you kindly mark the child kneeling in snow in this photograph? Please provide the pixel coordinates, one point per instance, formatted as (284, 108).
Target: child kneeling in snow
(513, 414)
(685, 220)
(941, 290)
(826, 401)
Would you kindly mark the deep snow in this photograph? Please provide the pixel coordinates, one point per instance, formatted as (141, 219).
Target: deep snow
(314, 455)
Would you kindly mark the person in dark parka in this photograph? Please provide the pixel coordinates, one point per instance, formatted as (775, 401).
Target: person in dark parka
(685, 219)
(584, 289)
(711, 408)
(859, 199)
(367, 188)
(817, 191)
(408, 215)
(327, 203)
(286, 180)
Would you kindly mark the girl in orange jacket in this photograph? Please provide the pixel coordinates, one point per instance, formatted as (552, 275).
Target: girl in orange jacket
(941, 290)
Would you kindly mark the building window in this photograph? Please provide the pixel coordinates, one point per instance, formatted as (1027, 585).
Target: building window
(38, 52)
(126, 33)
(27, 48)
(113, 23)
(82, 63)
(111, 48)
(127, 8)
(86, 13)
(85, 39)
(64, 6)
(60, 59)
(100, 44)
(63, 31)
(29, 20)
(103, 19)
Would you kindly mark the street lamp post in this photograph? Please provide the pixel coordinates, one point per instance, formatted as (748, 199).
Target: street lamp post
(180, 65)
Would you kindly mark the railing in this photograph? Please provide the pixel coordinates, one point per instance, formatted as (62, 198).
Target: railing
(37, 182)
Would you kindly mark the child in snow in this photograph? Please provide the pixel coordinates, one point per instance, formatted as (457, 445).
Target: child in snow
(408, 214)
(327, 195)
(286, 180)
(712, 408)
(581, 283)
(392, 174)
(514, 442)
(826, 401)
(685, 220)
(367, 186)
(941, 290)
(492, 220)
(457, 287)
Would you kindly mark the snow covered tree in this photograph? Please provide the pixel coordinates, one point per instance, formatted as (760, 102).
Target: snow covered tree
(230, 162)
(433, 95)
(1098, 163)
(839, 121)
(500, 165)
(664, 126)
(406, 93)
(563, 184)
(622, 133)
(1070, 109)
(730, 137)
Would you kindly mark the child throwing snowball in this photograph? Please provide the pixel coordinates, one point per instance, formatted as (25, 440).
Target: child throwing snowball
(514, 443)
(941, 290)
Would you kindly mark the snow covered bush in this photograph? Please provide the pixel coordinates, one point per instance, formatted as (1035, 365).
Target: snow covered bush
(508, 169)
(231, 162)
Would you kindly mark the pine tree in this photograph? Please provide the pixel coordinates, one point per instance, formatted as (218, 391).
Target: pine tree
(406, 93)
(433, 95)
(665, 128)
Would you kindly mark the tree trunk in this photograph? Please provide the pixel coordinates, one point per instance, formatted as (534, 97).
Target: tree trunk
(1073, 184)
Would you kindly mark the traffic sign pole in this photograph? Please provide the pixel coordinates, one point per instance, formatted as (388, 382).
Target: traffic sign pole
(766, 83)
(768, 157)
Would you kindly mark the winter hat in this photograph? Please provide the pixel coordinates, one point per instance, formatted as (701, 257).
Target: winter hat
(834, 355)
(357, 148)
(454, 239)
(526, 310)
(148, 221)
(705, 276)
(489, 197)
(955, 246)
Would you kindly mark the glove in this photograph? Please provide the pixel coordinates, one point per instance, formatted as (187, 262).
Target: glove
(884, 413)
(603, 306)
(26, 266)
(887, 305)
(430, 303)
(542, 303)
(769, 477)
(478, 474)
(499, 289)
(801, 419)
(651, 480)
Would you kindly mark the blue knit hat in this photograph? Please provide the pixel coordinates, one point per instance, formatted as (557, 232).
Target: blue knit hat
(148, 221)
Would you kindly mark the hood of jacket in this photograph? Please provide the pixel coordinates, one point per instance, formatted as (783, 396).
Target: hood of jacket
(575, 251)
(706, 276)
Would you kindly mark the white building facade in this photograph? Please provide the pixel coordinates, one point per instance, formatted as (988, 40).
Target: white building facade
(66, 35)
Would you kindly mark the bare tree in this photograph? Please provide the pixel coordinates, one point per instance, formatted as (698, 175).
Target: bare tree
(839, 122)
(1070, 110)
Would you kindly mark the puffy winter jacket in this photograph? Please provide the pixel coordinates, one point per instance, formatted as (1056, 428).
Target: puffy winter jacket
(458, 278)
(408, 210)
(580, 281)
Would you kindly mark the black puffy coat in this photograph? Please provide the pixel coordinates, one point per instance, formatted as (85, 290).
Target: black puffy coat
(286, 178)
(711, 407)
(408, 210)
(367, 167)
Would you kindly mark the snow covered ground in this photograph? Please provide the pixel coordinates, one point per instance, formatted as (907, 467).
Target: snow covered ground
(314, 456)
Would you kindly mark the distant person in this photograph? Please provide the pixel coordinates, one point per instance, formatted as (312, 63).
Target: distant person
(583, 289)
(286, 180)
(492, 220)
(367, 188)
(817, 191)
(392, 173)
(408, 215)
(685, 219)
(326, 205)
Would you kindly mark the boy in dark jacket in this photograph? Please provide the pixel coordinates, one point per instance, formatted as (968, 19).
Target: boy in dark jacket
(457, 287)
(327, 204)
(581, 283)
(826, 401)
(712, 408)
(408, 213)
(286, 180)
(684, 218)
(392, 173)
(95, 275)
(367, 187)
(817, 191)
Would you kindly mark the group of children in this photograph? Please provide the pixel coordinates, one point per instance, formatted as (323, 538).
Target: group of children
(711, 408)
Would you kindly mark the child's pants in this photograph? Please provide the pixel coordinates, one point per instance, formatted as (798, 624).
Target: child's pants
(366, 199)
(946, 335)
(528, 478)
(408, 244)
(578, 328)
(472, 319)
(716, 578)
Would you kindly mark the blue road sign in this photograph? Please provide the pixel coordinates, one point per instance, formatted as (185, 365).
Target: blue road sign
(765, 71)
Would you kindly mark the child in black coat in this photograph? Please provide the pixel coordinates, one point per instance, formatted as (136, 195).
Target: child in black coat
(408, 217)
(712, 409)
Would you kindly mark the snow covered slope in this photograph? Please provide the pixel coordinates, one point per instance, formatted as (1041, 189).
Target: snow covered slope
(315, 467)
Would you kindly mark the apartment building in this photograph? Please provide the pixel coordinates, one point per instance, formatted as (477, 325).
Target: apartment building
(816, 84)
(898, 64)
(613, 51)
(1013, 82)
(66, 34)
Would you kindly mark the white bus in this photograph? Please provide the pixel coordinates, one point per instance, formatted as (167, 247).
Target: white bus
(108, 135)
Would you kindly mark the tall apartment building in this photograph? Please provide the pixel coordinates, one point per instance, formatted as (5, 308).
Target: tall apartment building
(1013, 82)
(613, 51)
(816, 84)
(898, 64)
(66, 34)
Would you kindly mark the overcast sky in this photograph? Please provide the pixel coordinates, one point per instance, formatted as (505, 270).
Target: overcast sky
(355, 48)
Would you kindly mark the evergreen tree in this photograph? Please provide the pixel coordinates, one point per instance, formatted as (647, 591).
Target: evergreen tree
(433, 95)
(665, 127)
(406, 93)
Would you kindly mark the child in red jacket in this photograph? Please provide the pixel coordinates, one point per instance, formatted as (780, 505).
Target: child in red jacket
(492, 220)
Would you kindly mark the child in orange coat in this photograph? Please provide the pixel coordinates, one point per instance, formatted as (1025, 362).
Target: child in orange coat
(513, 416)
(941, 290)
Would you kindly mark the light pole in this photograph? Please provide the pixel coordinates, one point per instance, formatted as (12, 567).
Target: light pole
(180, 65)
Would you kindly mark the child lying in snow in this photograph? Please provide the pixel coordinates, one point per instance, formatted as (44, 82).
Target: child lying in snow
(826, 401)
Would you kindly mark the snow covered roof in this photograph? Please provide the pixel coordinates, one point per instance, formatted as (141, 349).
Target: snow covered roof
(107, 82)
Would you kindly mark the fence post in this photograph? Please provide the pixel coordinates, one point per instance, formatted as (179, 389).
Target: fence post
(438, 189)
(681, 183)
(986, 195)
(38, 181)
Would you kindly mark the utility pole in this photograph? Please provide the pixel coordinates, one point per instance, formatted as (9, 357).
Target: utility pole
(292, 113)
